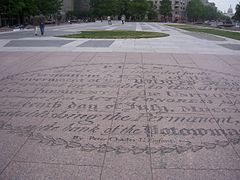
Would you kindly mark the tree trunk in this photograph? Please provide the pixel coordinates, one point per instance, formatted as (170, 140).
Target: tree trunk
(19, 19)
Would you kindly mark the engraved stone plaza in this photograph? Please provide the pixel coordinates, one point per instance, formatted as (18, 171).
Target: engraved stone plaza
(123, 109)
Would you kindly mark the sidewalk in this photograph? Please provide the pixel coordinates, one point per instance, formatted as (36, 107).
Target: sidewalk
(179, 41)
(118, 115)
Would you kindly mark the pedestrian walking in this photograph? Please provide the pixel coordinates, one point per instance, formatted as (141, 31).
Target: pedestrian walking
(109, 20)
(35, 24)
(42, 24)
(59, 18)
(123, 19)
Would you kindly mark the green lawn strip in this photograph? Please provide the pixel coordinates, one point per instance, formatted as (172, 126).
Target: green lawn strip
(116, 34)
(178, 25)
(228, 34)
(223, 33)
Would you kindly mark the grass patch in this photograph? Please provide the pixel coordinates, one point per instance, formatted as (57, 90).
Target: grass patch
(116, 35)
(178, 25)
(223, 33)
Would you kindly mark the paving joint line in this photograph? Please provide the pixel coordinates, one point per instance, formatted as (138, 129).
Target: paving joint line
(61, 164)
(148, 133)
(199, 169)
(114, 110)
(213, 117)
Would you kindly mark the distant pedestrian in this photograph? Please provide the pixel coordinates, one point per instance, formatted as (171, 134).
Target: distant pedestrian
(109, 20)
(59, 18)
(42, 24)
(35, 24)
(123, 19)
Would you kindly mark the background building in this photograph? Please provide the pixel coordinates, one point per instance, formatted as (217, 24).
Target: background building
(75, 5)
(178, 8)
(81, 5)
(229, 13)
(156, 3)
(68, 5)
(74, 8)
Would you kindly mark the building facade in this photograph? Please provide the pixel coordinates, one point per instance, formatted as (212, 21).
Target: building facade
(178, 8)
(75, 5)
(68, 5)
(81, 5)
(229, 13)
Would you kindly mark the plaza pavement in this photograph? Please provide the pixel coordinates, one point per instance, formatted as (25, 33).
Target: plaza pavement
(178, 41)
(146, 109)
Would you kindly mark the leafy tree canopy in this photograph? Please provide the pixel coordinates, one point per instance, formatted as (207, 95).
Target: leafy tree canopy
(103, 7)
(138, 9)
(152, 11)
(237, 14)
(195, 10)
(165, 8)
(30, 7)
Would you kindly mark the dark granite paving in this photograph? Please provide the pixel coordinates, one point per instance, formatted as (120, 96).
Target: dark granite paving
(205, 36)
(37, 43)
(30, 34)
(124, 116)
(231, 46)
(97, 43)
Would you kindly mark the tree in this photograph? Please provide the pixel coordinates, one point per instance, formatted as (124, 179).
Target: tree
(209, 13)
(4, 6)
(237, 14)
(49, 7)
(30, 7)
(221, 16)
(165, 9)
(152, 11)
(18, 9)
(99, 8)
(138, 9)
(195, 10)
(94, 8)
(123, 7)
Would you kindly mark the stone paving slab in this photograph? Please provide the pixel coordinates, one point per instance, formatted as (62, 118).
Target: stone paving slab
(80, 115)
(232, 46)
(98, 43)
(31, 34)
(208, 37)
(37, 43)
(25, 170)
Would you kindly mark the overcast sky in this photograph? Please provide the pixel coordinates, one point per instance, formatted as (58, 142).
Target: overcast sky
(223, 5)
